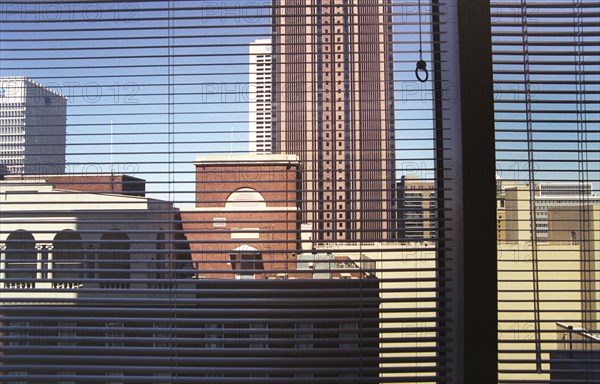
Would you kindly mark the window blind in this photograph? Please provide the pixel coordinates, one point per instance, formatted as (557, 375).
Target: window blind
(223, 192)
(546, 81)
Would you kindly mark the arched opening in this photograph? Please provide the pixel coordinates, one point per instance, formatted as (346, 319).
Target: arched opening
(20, 259)
(114, 258)
(246, 261)
(245, 198)
(67, 259)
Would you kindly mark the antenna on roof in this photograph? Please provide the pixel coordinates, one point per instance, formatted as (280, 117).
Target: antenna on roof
(111, 146)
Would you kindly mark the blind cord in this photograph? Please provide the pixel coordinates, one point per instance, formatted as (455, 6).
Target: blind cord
(585, 217)
(421, 69)
(531, 182)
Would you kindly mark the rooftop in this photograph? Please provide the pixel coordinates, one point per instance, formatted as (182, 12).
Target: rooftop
(247, 159)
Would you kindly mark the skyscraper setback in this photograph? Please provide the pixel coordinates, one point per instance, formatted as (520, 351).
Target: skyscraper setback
(333, 107)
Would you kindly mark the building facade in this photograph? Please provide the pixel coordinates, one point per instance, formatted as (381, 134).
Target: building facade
(98, 285)
(518, 205)
(206, 331)
(114, 183)
(501, 222)
(67, 237)
(417, 215)
(556, 194)
(333, 107)
(33, 121)
(260, 138)
(245, 223)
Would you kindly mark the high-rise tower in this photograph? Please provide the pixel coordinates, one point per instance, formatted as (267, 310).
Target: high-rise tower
(33, 123)
(260, 113)
(333, 107)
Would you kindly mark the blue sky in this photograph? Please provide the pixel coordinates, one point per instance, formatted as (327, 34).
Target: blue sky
(108, 78)
(87, 54)
(131, 90)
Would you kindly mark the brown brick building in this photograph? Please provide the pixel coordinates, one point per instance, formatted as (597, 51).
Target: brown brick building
(245, 223)
(333, 107)
(93, 183)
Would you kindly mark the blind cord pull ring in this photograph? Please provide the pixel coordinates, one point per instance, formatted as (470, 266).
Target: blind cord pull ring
(421, 67)
(421, 64)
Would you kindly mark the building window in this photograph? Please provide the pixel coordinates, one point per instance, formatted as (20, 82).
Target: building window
(67, 260)
(20, 260)
(246, 262)
(113, 261)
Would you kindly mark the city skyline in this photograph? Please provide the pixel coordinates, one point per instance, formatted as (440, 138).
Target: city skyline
(168, 252)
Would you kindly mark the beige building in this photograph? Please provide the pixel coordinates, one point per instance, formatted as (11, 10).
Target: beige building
(538, 287)
(546, 282)
(581, 226)
(550, 195)
(517, 214)
(501, 186)
(566, 223)
(333, 107)
(417, 212)
(55, 237)
(529, 308)
(515, 210)
(407, 282)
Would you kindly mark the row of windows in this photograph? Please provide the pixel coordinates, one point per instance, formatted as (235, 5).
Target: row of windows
(13, 161)
(213, 335)
(8, 147)
(13, 124)
(15, 105)
(204, 335)
(14, 130)
(12, 133)
(5, 112)
(551, 203)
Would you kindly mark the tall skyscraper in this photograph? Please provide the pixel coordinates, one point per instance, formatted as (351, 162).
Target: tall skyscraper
(260, 112)
(333, 107)
(33, 124)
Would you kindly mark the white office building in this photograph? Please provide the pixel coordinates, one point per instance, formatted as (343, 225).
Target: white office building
(556, 194)
(33, 121)
(260, 134)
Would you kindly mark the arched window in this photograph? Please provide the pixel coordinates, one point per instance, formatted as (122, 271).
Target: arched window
(21, 259)
(113, 257)
(246, 261)
(67, 259)
(246, 198)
